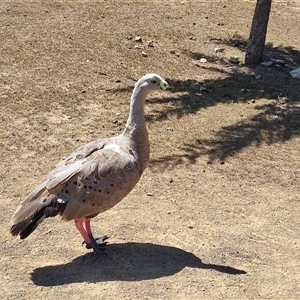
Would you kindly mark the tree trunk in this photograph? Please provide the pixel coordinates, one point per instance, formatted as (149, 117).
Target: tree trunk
(257, 38)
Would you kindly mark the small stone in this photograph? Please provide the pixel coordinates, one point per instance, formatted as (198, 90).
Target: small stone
(278, 61)
(203, 60)
(172, 51)
(117, 80)
(217, 50)
(234, 59)
(150, 194)
(129, 37)
(138, 39)
(191, 227)
(295, 73)
(144, 54)
(203, 88)
(150, 44)
(169, 128)
(253, 100)
(258, 77)
(267, 63)
(137, 47)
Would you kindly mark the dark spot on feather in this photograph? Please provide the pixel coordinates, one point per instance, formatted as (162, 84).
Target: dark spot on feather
(66, 191)
(75, 182)
(83, 200)
(67, 184)
(85, 186)
(111, 184)
(94, 190)
(44, 200)
(108, 192)
(90, 187)
(100, 191)
(93, 204)
(95, 182)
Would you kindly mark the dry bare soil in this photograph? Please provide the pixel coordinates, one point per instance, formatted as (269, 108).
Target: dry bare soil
(223, 221)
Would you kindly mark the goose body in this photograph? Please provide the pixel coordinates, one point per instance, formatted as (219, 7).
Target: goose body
(94, 177)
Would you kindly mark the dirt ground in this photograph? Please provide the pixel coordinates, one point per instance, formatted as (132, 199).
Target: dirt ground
(223, 221)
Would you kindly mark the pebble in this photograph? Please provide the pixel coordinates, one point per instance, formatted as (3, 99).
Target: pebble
(295, 73)
(144, 54)
(172, 51)
(169, 128)
(138, 39)
(150, 44)
(267, 63)
(245, 90)
(278, 61)
(150, 194)
(202, 88)
(234, 59)
(203, 60)
(258, 77)
(219, 50)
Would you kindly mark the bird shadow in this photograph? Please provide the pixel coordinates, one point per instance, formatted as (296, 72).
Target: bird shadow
(124, 262)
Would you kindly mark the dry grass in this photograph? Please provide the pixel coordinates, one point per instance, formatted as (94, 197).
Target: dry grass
(223, 222)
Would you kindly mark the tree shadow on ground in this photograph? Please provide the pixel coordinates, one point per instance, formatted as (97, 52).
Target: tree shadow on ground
(124, 262)
(277, 122)
(274, 124)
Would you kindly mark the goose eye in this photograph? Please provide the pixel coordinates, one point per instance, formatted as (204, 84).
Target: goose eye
(153, 81)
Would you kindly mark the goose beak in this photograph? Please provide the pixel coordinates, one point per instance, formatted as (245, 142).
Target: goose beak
(163, 85)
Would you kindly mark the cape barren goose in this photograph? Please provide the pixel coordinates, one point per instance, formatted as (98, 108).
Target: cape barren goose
(94, 177)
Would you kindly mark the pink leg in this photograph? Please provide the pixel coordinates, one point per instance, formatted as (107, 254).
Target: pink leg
(87, 223)
(83, 232)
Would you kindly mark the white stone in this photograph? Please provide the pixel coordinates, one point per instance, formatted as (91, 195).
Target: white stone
(203, 60)
(219, 50)
(150, 44)
(234, 59)
(267, 63)
(295, 73)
